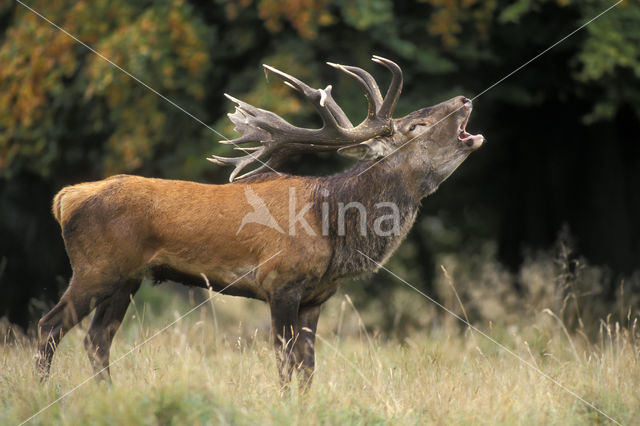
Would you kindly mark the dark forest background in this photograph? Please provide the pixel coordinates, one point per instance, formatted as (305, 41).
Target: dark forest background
(563, 152)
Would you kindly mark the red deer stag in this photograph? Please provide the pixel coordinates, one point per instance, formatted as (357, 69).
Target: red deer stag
(122, 229)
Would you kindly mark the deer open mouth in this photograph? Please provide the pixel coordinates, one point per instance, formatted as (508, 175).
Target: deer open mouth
(470, 140)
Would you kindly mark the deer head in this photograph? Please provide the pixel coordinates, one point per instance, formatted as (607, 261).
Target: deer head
(432, 141)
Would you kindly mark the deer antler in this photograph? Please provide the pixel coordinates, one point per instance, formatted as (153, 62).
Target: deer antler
(280, 139)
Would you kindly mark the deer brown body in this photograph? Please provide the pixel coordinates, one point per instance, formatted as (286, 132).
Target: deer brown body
(125, 228)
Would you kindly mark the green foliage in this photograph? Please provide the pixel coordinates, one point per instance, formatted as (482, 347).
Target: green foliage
(363, 14)
(165, 47)
(610, 57)
(607, 52)
(59, 98)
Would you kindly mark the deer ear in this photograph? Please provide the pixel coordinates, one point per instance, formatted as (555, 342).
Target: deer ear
(365, 151)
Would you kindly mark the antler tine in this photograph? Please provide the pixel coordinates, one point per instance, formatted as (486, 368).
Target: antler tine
(266, 166)
(240, 163)
(242, 117)
(336, 111)
(395, 88)
(329, 110)
(247, 148)
(367, 82)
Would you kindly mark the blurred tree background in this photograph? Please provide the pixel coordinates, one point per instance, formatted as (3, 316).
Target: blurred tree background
(563, 151)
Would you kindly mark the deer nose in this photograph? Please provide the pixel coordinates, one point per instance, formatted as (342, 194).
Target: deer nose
(467, 102)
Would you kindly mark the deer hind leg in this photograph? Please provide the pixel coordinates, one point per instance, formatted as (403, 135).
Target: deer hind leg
(74, 305)
(304, 347)
(106, 321)
(284, 315)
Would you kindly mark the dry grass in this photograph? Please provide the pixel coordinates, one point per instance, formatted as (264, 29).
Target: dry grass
(217, 365)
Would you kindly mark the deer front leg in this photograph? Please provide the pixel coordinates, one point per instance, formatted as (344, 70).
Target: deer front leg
(284, 314)
(304, 347)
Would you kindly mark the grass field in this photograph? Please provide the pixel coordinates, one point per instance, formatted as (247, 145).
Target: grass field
(216, 366)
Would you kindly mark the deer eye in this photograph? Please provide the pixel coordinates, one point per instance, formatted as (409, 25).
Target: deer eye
(413, 126)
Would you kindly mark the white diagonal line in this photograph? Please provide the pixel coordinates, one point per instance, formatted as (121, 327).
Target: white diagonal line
(142, 83)
(145, 85)
(548, 49)
(497, 82)
(353, 364)
(408, 142)
(145, 341)
(500, 345)
(355, 368)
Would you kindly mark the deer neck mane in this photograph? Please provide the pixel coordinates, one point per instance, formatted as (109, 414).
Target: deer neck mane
(366, 212)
